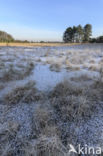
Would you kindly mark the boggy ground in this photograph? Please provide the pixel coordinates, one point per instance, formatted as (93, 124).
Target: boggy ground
(49, 98)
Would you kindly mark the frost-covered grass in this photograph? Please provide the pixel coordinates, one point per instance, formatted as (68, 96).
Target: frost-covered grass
(55, 67)
(49, 98)
(14, 74)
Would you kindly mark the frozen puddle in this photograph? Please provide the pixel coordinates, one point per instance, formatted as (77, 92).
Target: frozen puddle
(46, 79)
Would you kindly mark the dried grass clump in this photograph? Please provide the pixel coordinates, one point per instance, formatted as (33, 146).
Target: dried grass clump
(81, 78)
(45, 146)
(38, 60)
(13, 74)
(8, 131)
(72, 107)
(44, 123)
(71, 102)
(67, 62)
(66, 88)
(92, 61)
(77, 59)
(94, 68)
(101, 61)
(25, 94)
(2, 86)
(2, 64)
(55, 67)
(98, 84)
(72, 67)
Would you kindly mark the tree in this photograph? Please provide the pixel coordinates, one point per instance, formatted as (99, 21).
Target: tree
(5, 37)
(80, 33)
(68, 35)
(74, 34)
(87, 32)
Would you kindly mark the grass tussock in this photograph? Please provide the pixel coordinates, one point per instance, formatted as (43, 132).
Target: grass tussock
(2, 86)
(94, 68)
(13, 74)
(72, 67)
(73, 102)
(26, 94)
(83, 78)
(92, 61)
(55, 67)
(44, 123)
(8, 133)
(65, 88)
(2, 64)
(44, 146)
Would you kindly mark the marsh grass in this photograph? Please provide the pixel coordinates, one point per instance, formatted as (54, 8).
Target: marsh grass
(82, 78)
(94, 68)
(2, 86)
(72, 68)
(55, 67)
(66, 103)
(27, 94)
(73, 102)
(14, 74)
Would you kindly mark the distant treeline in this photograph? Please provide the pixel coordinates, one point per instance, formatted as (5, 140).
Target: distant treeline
(97, 40)
(75, 34)
(5, 37)
(79, 34)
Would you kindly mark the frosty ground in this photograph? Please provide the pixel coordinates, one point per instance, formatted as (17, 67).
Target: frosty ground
(50, 97)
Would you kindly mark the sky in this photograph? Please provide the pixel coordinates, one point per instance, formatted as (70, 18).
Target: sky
(47, 19)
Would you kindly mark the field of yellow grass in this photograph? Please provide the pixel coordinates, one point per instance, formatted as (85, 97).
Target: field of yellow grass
(38, 44)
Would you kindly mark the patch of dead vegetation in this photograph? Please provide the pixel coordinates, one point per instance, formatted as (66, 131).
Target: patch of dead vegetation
(94, 68)
(44, 123)
(65, 88)
(8, 131)
(55, 67)
(83, 78)
(2, 64)
(73, 102)
(14, 74)
(92, 61)
(2, 86)
(26, 94)
(72, 68)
